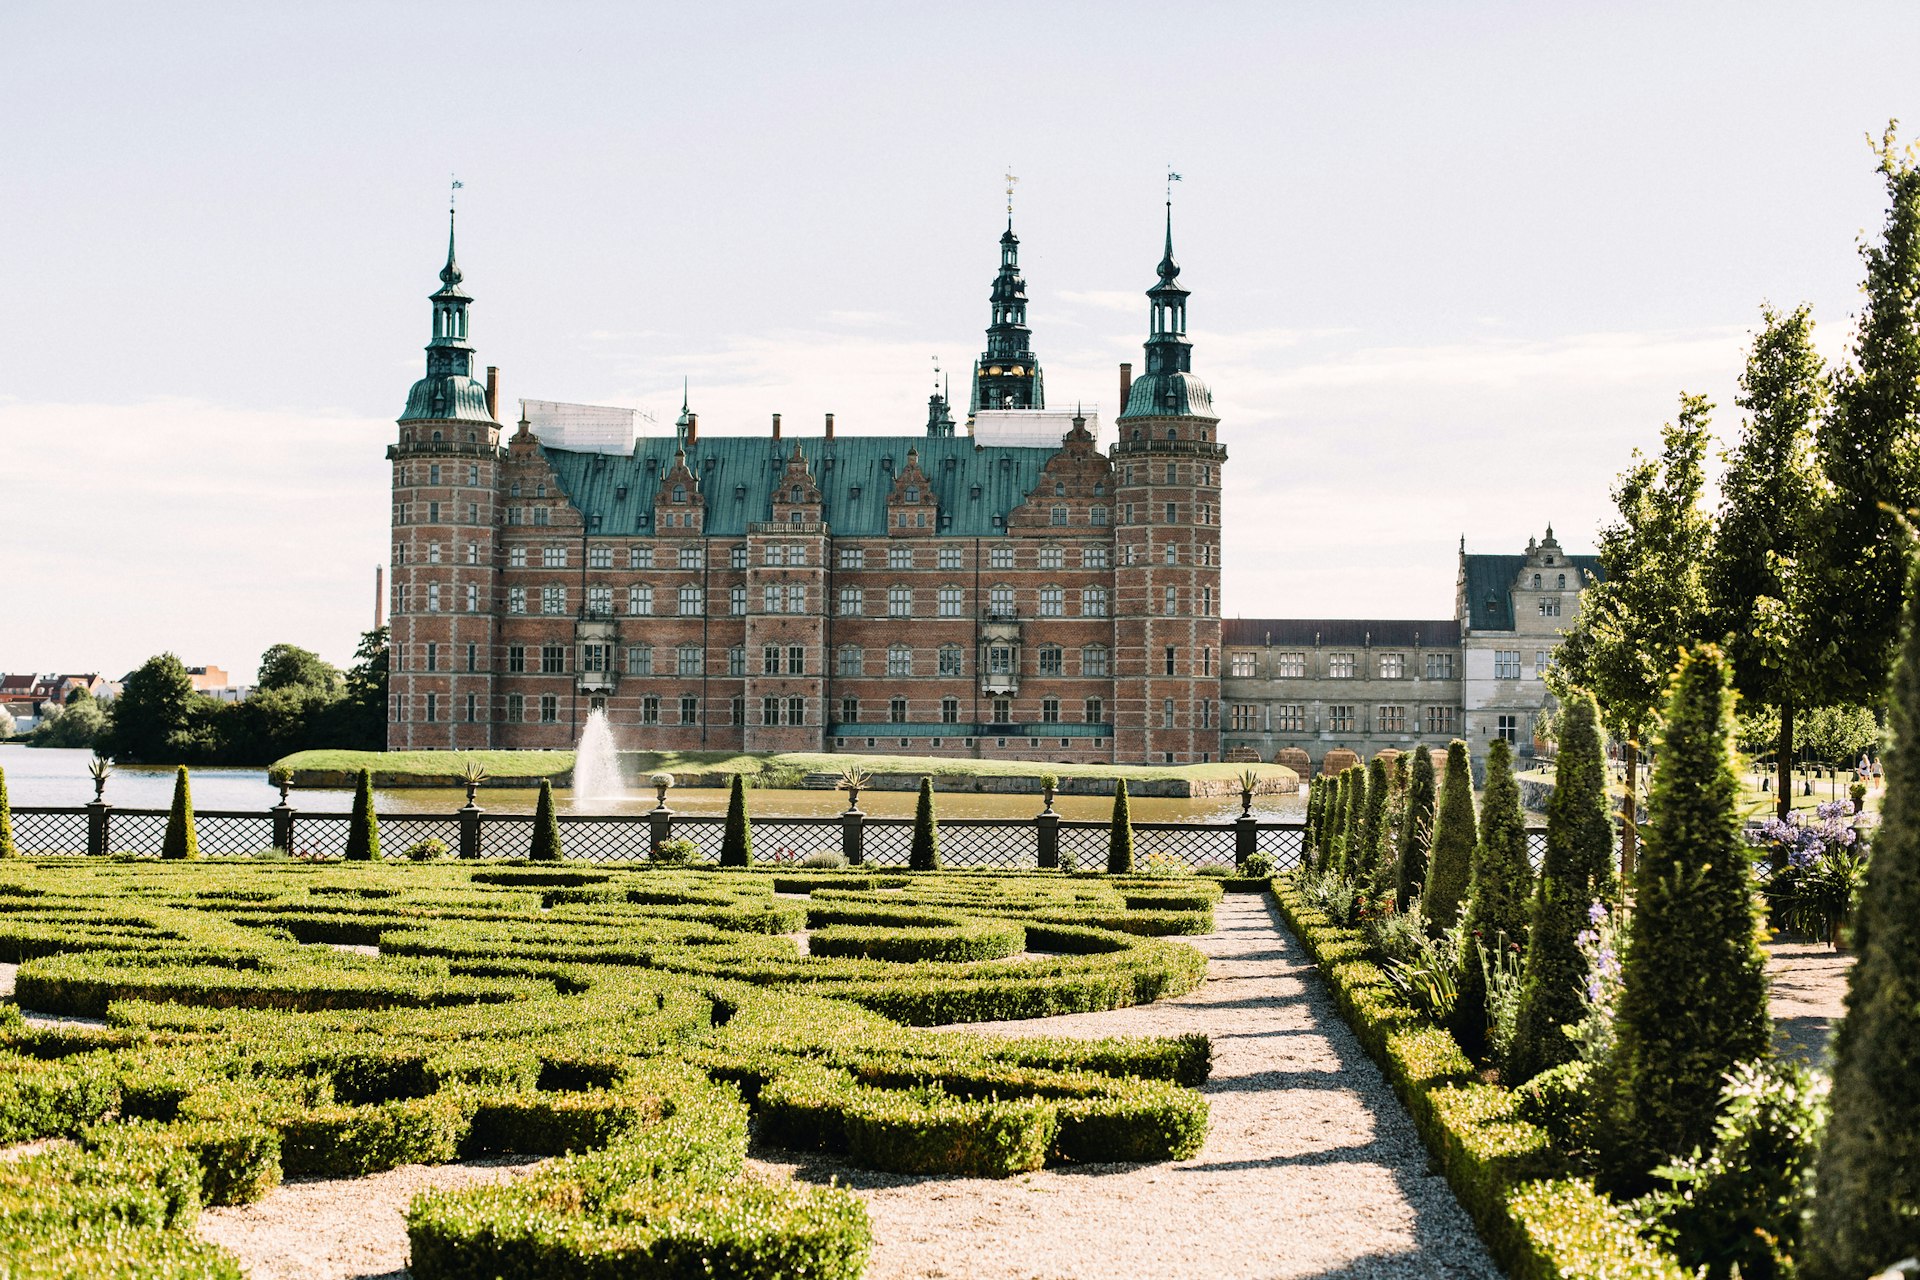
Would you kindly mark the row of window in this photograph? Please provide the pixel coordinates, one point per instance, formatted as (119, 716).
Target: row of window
(545, 709)
(850, 661)
(1202, 473)
(1339, 718)
(413, 473)
(1340, 665)
(429, 512)
(553, 598)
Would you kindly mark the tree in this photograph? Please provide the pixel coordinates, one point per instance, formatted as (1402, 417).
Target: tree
(1866, 1211)
(924, 855)
(1756, 593)
(1120, 835)
(181, 840)
(1634, 622)
(362, 722)
(1498, 900)
(1416, 831)
(736, 841)
(363, 826)
(1693, 1000)
(1353, 833)
(546, 846)
(1333, 856)
(1578, 871)
(81, 723)
(8, 725)
(286, 666)
(7, 849)
(1316, 811)
(1866, 448)
(1373, 824)
(1450, 867)
(153, 710)
(1837, 735)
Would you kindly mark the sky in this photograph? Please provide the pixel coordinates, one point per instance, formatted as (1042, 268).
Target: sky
(1450, 263)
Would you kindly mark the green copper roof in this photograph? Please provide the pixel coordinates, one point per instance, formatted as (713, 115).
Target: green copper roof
(855, 474)
(1490, 585)
(1168, 395)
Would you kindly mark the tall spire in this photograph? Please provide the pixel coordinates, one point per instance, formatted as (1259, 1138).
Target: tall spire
(1007, 374)
(449, 391)
(1169, 387)
(1169, 269)
(450, 274)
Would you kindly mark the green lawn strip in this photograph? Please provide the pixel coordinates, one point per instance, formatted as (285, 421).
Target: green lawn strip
(1539, 1222)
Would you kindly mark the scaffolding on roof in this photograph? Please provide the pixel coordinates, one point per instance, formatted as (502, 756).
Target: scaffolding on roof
(583, 428)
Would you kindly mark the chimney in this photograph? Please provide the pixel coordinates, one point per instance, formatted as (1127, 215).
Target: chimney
(379, 595)
(493, 391)
(693, 428)
(829, 426)
(1126, 385)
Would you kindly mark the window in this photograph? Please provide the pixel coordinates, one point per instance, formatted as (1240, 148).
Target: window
(517, 558)
(596, 657)
(516, 658)
(1057, 515)
(1173, 513)
(896, 710)
(433, 597)
(1003, 710)
(770, 659)
(1563, 581)
(1391, 719)
(640, 557)
(1000, 601)
(1093, 660)
(1290, 665)
(473, 657)
(1340, 666)
(1166, 713)
(433, 656)
(1094, 558)
(773, 598)
(693, 601)
(473, 708)
(950, 660)
(1053, 602)
(600, 600)
(1093, 602)
(600, 557)
(737, 559)
(796, 660)
(689, 660)
(639, 659)
(1171, 601)
(1049, 711)
(737, 710)
(549, 708)
(899, 660)
(853, 558)
(433, 553)
(516, 708)
(553, 659)
(899, 602)
(849, 711)
(1393, 666)
(1000, 660)
(1340, 719)
(640, 601)
(852, 602)
(737, 660)
(1542, 659)
(952, 602)
(899, 557)
(689, 710)
(1290, 717)
(1439, 719)
(1096, 711)
(1439, 666)
(950, 558)
(693, 557)
(1243, 664)
(1171, 554)
(650, 709)
(1549, 607)
(553, 557)
(1052, 660)
(433, 513)
(736, 600)
(850, 660)
(1000, 557)
(769, 711)
(473, 597)
(553, 598)
(949, 711)
(1508, 727)
(1053, 558)
(1506, 664)
(1206, 602)
(796, 710)
(1172, 659)
(1242, 717)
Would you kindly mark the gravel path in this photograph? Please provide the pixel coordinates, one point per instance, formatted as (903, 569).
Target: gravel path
(1312, 1168)
(1808, 996)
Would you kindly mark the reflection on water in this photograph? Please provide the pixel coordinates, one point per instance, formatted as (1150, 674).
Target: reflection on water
(53, 777)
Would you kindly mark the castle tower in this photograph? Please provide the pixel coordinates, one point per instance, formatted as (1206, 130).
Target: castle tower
(445, 478)
(1167, 465)
(1007, 375)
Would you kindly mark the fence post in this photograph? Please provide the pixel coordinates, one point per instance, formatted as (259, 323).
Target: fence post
(1246, 837)
(97, 827)
(853, 836)
(1047, 827)
(470, 829)
(659, 825)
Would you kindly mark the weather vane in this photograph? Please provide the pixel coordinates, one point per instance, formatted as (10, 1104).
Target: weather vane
(457, 184)
(1010, 181)
(936, 373)
(1172, 178)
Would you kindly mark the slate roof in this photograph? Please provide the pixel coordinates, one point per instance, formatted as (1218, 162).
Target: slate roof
(738, 475)
(1438, 633)
(1490, 586)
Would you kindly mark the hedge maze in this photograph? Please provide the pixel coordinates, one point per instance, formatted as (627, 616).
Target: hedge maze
(640, 1025)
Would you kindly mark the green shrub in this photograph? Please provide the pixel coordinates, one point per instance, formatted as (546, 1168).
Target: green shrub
(432, 849)
(546, 846)
(824, 860)
(7, 849)
(674, 853)
(1373, 824)
(239, 1160)
(1450, 863)
(1560, 1100)
(363, 826)
(924, 855)
(1416, 832)
(54, 1099)
(1255, 866)
(968, 940)
(736, 842)
(926, 1131)
(182, 840)
(1497, 903)
(1120, 833)
(1310, 834)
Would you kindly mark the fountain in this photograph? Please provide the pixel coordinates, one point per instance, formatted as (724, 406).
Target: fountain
(596, 765)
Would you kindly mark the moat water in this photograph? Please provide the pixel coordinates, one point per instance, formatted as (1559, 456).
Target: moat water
(53, 777)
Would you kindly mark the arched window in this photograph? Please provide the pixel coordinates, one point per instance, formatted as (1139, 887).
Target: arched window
(1563, 582)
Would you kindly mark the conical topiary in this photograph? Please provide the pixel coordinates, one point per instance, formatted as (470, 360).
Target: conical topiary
(1450, 865)
(1354, 852)
(182, 840)
(363, 828)
(1577, 872)
(6, 821)
(925, 853)
(1310, 832)
(1373, 823)
(1866, 1209)
(546, 827)
(736, 841)
(1416, 832)
(1498, 902)
(1120, 839)
(1693, 999)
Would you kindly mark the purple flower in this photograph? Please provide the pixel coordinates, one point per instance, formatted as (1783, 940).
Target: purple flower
(1597, 913)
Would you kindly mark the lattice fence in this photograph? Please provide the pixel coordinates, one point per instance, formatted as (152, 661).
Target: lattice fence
(50, 831)
(402, 831)
(233, 835)
(137, 832)
(1284, 844)
(593, 839)
(324, 835)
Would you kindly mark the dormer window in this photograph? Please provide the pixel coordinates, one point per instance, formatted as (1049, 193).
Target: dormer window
(1563, 582)
(619, 493)
(1536, 582)
(854, 492)
(913, 493)
(974, 492)
(794, 496)
(1059, 489)
(739, 493)
(679, 493)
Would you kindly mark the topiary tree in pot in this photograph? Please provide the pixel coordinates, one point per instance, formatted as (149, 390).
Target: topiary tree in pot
(363, 825)
(1450, 864)
(736, 841)
(1120, 837)
(925, 852)
(182, 840)
(546, 827)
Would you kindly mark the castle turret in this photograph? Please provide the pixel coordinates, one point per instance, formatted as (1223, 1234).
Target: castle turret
(1007, 374)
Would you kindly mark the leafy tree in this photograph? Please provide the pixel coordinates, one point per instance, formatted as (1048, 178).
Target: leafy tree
(1756, 593)
(181, 840)
(1120, 837)
(287, 666)
(1416, 831)
(736, 841)
(1837, 735)
(924, 854)
(363, 826)
(546, 846)
(1497, 904)
(1866, 1212)
(1693, 1001)
(8, 725)
(7, 849)
(1578, 871)
(1869, 453)
(81, 723)
(153, 710)
(1373, 823)
(1450, 868)
(1633, 623)
(362, 714)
